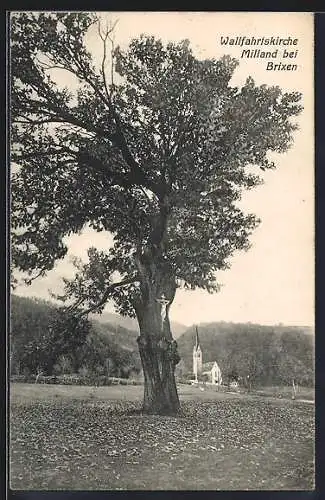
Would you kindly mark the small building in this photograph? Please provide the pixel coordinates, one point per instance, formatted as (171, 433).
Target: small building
(213, 372)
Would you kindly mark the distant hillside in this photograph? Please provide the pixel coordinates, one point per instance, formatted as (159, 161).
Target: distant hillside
(121, 336)
(132, 324)
(116, 320)
(30, 325)
(111, 324)
(270, 354)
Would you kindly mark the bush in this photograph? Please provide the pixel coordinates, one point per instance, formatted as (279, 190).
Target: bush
(83, 371)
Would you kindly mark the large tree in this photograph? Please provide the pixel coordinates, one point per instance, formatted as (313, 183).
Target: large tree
(152, 145)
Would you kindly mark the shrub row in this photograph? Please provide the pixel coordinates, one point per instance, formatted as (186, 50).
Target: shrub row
(100, 380)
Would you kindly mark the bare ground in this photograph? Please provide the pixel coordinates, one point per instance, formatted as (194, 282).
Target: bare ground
(68, 438)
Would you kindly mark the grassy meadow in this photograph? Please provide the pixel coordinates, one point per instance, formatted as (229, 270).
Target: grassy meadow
(93, 438)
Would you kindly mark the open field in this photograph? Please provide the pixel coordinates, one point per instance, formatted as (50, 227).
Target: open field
(68, 437)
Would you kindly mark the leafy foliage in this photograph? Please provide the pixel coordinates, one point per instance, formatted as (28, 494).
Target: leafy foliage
(158, 156)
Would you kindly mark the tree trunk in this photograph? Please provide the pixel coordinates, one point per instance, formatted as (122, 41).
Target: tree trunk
(158, 352)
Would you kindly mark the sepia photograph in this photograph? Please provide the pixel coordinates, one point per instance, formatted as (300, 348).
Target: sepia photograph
(162, 330)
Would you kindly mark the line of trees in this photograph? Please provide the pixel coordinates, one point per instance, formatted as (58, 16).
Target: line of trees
(49, 340)
(45, 339)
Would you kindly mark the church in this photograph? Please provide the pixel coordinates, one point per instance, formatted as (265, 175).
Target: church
(211, 369)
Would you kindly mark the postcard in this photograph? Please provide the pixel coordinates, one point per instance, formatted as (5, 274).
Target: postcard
(162, 251)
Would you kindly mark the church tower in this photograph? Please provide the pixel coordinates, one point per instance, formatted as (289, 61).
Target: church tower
(197, 355)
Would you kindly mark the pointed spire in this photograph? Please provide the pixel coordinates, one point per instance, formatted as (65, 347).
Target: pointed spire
(197, 340)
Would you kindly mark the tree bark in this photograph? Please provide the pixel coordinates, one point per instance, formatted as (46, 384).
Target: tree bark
(159, 356)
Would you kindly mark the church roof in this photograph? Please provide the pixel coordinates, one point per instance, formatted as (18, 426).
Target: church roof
(208, 366)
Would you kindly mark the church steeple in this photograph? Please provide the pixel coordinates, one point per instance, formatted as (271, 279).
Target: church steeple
(197, 340)
(197, 355)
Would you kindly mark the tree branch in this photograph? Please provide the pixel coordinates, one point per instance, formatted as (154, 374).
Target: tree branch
(63, 116)
(106, 295)
(83, 72)
(136, 175)
(29, 281)
(104, 38)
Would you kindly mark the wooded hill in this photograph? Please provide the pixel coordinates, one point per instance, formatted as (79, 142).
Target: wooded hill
(93, 347)
(267, 354)
(132, 324)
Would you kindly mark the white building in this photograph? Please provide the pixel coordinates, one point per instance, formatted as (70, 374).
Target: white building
(211, 369)
(213, 372)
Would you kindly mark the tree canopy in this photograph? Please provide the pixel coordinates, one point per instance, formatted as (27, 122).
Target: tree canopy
(153, 145)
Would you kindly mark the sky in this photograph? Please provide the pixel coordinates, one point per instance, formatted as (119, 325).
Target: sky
(273, 282)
